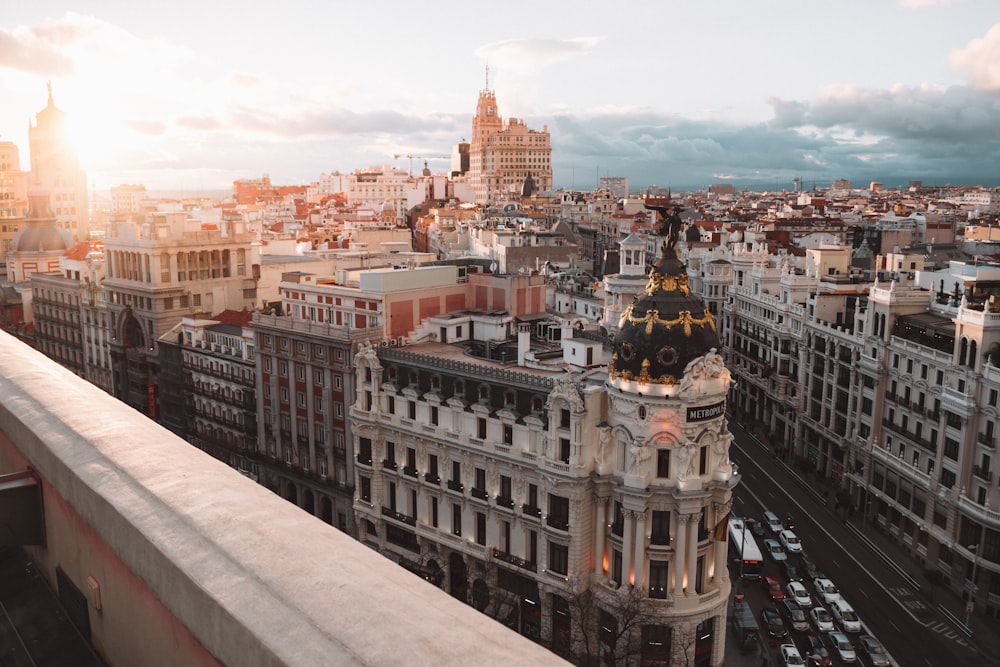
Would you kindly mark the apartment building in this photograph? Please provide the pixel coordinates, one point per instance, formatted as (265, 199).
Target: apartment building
(156, 273)
(887, 388)
(577, 506)
(13, 194)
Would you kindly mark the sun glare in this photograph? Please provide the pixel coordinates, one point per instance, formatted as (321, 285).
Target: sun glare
(99, 140)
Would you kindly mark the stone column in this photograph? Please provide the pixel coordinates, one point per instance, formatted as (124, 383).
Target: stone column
(600, 535)
(639, 561)
(680, 545)
(692, 552)
(627, 547)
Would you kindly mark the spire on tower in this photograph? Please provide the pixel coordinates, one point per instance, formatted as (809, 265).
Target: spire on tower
(487, 76)
(48, 84)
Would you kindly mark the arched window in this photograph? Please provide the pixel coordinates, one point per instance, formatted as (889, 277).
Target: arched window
(963, 350)
(972, 354)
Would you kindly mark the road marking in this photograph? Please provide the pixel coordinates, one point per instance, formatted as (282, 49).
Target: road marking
(863, 592)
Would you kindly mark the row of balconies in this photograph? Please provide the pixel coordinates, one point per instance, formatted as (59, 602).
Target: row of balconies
(229, 374)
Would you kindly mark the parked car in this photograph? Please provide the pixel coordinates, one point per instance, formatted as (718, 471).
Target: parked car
(794, 615)
(809, 567)
(775, 550)
(843, 647)
(821, 619)
(798, 592)
(773, 523)
(871, 647)
(790, 541)
(771, 619)
(845, 615)
(816, 653)
(825, 590)
(773, 588)
(792, 571)
(790, 655)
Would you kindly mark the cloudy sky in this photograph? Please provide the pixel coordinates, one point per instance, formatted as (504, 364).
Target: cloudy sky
(668, 92)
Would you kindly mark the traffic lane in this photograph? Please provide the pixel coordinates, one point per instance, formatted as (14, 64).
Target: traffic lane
(840, 555)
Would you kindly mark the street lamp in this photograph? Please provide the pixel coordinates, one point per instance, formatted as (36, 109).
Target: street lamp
(971, 604)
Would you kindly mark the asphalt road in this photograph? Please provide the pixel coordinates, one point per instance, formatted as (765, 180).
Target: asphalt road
(886, 599)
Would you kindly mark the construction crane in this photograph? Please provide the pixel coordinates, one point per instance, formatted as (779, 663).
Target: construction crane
(419, 157)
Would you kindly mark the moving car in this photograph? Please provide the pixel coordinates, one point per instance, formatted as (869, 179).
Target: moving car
(809, 567)
(825, 590)
(816, 653)
(871, 647)
(790, 541)
(845, 615)
(798, 592)
(794, 615)
(773, 588)
(773, 523)
(792, 571)
(791, 656)
(771, 619)
(843, 647)
(775, 550)
(821, 619)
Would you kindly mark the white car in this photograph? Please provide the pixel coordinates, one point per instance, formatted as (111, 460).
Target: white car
(775, 550)
(846, 616)
(790, 541)
(791, 656)
(773, 523)
(843, 646)
(821, 619)
(826, 590)
(797, 592)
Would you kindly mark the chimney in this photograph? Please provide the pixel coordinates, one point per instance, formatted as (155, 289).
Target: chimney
(523, 341)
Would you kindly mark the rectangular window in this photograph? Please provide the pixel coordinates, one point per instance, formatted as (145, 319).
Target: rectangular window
(434, 415)
(481, 428)
(532, 555)
(411, 409)
(564, 450)
(481, 528)
(366, 489)
(558, 512)
(658, 579)
(660, 527)
(558, 558)
(456, 519)
(434, 512)
(616, 566)
(663, 463)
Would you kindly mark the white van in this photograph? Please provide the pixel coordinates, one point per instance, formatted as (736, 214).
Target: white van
(845, 615)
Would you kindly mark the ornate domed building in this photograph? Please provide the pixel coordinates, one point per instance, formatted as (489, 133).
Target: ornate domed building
(668, 488)
(37, 247)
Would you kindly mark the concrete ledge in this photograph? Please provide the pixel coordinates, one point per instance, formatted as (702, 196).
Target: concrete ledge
(198, 564)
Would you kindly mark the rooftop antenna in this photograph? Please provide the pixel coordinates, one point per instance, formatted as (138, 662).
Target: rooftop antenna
(487, 75)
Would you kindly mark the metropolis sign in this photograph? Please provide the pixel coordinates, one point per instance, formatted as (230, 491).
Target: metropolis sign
(706, 412)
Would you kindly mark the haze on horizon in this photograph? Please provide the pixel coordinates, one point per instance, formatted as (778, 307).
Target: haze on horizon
(198, 95)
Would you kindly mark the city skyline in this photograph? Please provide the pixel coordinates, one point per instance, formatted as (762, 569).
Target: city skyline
(670, 96)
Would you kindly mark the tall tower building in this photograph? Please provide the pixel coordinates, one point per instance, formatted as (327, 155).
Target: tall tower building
(56, 167)
(502, 156)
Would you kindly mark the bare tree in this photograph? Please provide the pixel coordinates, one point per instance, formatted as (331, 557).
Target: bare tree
(608, 626)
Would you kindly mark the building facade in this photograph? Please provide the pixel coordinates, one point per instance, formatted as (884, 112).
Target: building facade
(578, 508)
(504, 155)
(55, 166)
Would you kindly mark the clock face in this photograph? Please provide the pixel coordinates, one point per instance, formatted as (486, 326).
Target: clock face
(489, 111)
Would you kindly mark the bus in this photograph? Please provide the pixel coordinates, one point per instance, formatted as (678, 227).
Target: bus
(743, 547)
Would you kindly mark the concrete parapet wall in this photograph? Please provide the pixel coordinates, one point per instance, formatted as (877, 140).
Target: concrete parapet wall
(197, 564)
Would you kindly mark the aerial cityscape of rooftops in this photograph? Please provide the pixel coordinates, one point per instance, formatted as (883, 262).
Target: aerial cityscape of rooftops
(638, 424)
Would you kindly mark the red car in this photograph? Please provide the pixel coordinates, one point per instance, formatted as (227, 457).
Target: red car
(773, 588)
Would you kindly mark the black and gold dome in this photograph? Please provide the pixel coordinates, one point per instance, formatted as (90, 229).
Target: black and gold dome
(664, 329)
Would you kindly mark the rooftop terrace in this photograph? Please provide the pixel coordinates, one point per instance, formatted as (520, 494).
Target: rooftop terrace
(174, 558)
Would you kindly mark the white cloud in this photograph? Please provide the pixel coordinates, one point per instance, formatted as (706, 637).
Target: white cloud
(911, 4)
(981, 58)
(525, 56)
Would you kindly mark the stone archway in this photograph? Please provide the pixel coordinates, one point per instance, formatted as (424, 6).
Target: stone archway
(480, 595)
(291, 493)
(309, 501)
(326, 510)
